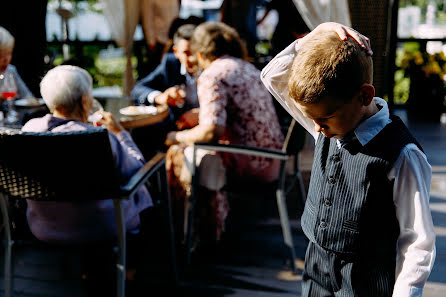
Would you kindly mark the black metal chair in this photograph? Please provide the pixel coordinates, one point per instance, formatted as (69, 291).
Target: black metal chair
(72, 166)
(294, 142)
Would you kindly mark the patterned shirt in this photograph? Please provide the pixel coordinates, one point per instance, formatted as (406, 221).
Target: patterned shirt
(232, 95)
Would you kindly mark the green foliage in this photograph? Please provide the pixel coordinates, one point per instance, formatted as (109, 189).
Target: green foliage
(440, 5)
(411, 63)
(419, 3)
(109, 72)
(410, 59)
(105, 72)
(402, 87)
(263, 47)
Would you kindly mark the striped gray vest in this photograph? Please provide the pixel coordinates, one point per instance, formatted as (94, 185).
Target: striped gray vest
(350, 206)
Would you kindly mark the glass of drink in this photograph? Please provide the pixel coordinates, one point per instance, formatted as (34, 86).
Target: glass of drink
(181, 89)
(95, 114)
(8, 91)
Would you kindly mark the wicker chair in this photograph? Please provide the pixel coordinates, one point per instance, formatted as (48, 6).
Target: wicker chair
(294, 142)
(30, 168)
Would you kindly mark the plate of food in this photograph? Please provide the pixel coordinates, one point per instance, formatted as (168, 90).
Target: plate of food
(138, 110)
(29, 102)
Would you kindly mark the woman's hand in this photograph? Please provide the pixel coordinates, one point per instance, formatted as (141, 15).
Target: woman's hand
(171, 138)
(343, 32)
(188, 120)
(109, 122)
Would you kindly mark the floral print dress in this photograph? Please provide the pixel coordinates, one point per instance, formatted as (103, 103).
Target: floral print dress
(231, 95)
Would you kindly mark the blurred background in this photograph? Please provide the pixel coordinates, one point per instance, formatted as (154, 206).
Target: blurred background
(408, 39)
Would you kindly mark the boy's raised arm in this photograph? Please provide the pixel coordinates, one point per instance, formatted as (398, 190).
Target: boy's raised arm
(276, 73)
(275, 77)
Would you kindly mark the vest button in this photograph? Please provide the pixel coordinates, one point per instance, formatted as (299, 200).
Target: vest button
(323, 224)
(327, 202)
(335, 158)
(331, 180)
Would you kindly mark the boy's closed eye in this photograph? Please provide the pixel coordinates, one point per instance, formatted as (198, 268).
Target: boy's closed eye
(321, 120)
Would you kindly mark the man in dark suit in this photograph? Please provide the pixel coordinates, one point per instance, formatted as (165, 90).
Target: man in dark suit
(173, 83)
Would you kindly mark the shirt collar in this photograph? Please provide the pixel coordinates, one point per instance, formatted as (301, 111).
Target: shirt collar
(368, 129)
(183, 70)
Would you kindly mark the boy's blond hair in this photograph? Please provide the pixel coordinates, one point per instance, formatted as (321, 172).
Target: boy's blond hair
(6, 39)
(329, 66)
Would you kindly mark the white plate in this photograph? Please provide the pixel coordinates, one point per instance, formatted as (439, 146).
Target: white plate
(29, 102)
(138, 110)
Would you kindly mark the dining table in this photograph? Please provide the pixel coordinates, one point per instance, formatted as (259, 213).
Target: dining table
(113, 101)
(35, 107)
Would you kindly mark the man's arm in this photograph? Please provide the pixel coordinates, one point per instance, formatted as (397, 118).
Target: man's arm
(416, 242)
(156, 82)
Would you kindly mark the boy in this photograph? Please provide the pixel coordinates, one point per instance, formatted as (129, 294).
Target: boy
(367, 214)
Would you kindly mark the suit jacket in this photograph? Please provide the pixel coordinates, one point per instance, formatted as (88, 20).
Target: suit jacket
(166, 75)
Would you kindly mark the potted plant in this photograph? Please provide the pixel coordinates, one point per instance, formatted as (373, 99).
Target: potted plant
(427, 83)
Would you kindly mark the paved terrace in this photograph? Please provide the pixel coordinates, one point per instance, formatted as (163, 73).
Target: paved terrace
(250, 260)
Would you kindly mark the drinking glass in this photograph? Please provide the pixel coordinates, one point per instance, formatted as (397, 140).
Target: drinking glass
(95, 112)
(182, 92)
(8, 92)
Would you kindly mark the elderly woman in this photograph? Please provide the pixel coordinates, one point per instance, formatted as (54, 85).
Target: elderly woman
(66, 91)
(235, 108)
(6, 47)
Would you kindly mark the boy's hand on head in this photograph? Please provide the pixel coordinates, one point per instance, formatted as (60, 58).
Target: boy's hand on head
(343, 32)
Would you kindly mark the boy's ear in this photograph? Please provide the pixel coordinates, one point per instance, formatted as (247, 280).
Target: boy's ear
(366, 94)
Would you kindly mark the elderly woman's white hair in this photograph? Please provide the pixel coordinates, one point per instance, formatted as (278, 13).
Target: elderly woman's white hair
(63, 87)
(6, 39)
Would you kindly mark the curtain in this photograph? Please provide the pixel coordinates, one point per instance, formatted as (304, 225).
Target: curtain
(315, 12)
(122, 17)
(157, 16)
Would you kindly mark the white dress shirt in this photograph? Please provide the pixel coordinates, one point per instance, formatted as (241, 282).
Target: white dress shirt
(411, 174)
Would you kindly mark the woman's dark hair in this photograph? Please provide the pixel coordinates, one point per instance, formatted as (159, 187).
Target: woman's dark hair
(215, 39)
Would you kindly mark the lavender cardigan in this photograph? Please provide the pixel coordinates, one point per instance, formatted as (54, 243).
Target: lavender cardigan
(89, 220)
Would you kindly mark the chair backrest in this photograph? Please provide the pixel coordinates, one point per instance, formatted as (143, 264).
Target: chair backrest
(67, 166)
(294, 139)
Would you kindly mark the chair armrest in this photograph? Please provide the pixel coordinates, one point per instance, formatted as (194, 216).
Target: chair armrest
(141, 176)
(242, 149)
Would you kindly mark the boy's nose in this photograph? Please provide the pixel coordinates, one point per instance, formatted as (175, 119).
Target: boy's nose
(318, 127)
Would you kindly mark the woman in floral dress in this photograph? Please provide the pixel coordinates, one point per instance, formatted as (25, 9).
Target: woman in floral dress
(235, 108)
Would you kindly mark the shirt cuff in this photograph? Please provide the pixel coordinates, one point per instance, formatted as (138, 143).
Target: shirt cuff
(152, 95)
(408, 291)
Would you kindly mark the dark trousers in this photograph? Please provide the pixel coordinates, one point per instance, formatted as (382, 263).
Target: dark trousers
(329, 274)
